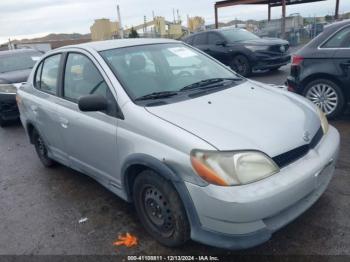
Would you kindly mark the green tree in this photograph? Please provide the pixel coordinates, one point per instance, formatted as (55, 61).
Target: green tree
(133, 33)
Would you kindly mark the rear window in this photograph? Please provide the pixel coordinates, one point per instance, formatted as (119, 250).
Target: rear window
(18, 61)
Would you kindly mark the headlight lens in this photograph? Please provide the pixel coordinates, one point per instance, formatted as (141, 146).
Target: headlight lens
(8, 88)
(232, 168)
(324, 121)
(256, 47)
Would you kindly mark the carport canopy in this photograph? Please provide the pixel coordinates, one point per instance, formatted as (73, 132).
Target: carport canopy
(270, 3)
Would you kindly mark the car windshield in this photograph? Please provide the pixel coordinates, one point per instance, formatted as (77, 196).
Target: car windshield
(238, 35)
(18, 61)
(164, 70)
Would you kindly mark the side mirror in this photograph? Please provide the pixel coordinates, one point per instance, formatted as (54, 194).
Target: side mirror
(221, 42)
(91, 103)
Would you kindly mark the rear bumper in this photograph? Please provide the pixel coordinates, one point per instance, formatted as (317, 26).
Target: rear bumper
(8, 107)
(245, 216)
(271, 62)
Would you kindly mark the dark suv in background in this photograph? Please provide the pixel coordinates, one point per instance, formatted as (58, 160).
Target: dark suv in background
(15, 67)
(321, 70)
(242, 50)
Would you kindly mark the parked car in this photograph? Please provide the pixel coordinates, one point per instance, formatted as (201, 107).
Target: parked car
(201, 152)
(320, 71)
(15, 67)
(242, 50)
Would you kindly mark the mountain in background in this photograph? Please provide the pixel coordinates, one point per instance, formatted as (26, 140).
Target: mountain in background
(56, 37)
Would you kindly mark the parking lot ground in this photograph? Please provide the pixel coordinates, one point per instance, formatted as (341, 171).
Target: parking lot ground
(40, 208)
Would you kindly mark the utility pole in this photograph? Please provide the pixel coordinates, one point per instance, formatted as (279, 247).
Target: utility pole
(121, 32)
(336, 15)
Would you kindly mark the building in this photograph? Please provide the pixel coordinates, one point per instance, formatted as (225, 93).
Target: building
(195, 23)
(104, 29)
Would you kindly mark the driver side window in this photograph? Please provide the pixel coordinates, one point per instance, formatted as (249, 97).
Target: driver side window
(83, 78)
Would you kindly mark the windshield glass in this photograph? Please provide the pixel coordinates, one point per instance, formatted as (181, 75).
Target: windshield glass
(237, 35)
(149, 69)
(18, 61)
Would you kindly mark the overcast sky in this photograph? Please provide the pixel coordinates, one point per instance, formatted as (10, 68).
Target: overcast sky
(33, 18)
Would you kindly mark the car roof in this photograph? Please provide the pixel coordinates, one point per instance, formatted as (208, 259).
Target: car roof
(17, 51)
(119, 43)
(338, 24)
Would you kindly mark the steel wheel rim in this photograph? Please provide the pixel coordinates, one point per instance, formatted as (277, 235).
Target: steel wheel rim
(324, 96)
(240, 65)
(158, 211)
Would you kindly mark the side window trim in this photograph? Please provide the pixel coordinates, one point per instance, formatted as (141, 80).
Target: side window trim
(41, 66)
(119, 114)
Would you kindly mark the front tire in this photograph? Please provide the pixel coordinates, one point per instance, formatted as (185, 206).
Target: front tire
(160, 209)
(41, 149)
(241, 65)
(327, 95)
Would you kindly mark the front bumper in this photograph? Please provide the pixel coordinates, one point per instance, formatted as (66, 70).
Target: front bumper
(271, 62)
(245, 216)
(8, 107)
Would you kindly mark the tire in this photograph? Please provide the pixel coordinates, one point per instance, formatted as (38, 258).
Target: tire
(41, 150)
(241, 65)
(327, 95)
(160, 209)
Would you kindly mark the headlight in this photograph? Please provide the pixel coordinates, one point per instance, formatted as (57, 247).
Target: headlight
(324, 121)
(232, 168)
(8, 89)
(257, 47)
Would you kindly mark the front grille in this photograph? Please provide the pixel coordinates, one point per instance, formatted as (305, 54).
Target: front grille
(286, 158)
(277, 48)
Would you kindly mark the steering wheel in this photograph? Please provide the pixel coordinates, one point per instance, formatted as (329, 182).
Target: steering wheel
(184, 73)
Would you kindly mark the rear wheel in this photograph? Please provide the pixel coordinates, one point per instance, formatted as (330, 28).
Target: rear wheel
(160, 209)
(327, 95)
(240, 64)
(41, 149)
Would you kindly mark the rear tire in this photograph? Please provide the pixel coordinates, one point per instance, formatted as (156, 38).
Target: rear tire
(241, 65)
(327, 95)
(41, 149)
(160, 209)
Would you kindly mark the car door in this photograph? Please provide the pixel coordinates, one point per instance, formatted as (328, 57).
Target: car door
(340, 43)
(91, 137)
(43, 105)
(216, 47)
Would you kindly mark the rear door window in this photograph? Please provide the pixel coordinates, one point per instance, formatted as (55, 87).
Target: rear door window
(214, 38)
(200, 39)
(46, 78)
(339, 40)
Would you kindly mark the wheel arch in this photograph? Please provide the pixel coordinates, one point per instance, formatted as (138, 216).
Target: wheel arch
(30, 128)
(136, 163)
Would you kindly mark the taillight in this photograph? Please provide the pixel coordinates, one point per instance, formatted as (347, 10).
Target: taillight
(296, 60)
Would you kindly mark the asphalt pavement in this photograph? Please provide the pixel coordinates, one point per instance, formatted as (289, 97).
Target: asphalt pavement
(40, 208)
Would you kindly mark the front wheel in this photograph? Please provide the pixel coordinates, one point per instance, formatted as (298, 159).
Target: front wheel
(240, 64)
(41, 149)
(327, 95)
(160, 209)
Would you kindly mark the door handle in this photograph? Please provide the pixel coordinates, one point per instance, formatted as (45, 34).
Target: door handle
(64, 122)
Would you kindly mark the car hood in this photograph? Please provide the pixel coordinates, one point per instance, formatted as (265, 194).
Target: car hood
(249, 116)
(265, 42)
(12, 77)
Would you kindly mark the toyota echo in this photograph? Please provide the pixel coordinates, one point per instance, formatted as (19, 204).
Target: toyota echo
(201, 152)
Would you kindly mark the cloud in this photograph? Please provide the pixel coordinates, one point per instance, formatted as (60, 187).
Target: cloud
(21, 18)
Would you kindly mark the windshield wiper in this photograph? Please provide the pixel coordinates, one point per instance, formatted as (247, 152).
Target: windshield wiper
(157, 95)
(207, 83)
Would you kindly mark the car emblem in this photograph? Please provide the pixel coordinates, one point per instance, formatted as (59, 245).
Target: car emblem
(282, 48)
(306, 136)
